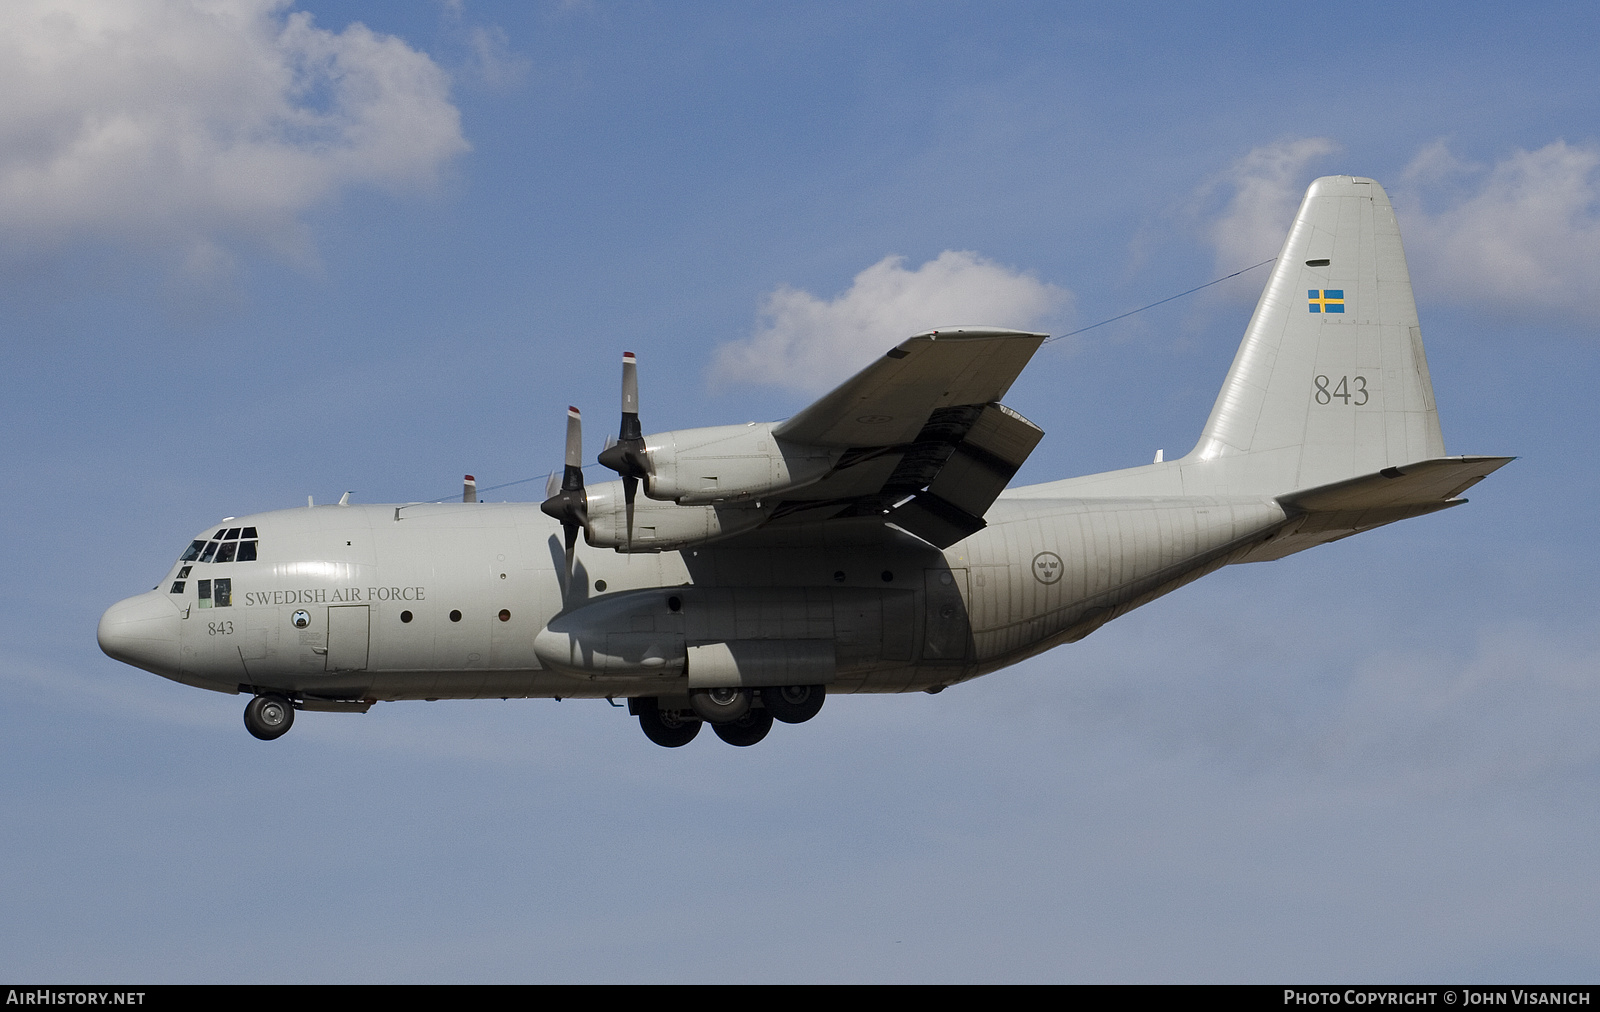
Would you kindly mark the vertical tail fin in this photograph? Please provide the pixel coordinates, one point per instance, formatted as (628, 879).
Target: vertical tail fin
(1330, 381)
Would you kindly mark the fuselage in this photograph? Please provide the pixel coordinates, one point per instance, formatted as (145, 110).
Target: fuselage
(470, 600)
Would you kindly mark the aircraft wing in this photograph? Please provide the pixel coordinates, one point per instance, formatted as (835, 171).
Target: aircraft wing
(890, 400)
(927, 445)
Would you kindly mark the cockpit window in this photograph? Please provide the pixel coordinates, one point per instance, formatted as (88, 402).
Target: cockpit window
(177, 586)
(232, 544)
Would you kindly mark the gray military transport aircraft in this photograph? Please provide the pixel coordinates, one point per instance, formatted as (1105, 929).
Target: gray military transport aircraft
(867, 544)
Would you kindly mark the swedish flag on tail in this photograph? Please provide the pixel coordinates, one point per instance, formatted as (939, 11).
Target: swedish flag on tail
(1326, 300)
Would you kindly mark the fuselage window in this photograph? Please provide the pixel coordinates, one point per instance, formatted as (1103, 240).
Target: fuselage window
(222, 593)
(203, 590)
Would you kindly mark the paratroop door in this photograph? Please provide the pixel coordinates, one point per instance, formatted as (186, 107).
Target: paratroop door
(348, 629)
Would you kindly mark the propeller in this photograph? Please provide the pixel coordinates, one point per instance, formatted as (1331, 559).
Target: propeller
(627, 455)
(570, 505)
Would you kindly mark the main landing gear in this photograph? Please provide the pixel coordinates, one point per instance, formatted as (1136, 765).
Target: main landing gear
(268, 716)
(738, 716)
(667, 728)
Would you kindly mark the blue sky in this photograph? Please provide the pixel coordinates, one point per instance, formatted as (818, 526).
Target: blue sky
(255, 251)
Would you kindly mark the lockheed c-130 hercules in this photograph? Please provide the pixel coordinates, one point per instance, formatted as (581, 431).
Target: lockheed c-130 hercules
(867, 544)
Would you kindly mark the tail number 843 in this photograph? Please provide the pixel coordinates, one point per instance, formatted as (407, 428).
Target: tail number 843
(1352, 390)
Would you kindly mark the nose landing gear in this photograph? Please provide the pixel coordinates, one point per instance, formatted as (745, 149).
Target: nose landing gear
(268, 716)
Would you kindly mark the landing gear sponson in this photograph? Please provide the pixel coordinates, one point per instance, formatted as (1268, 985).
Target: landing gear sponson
(738, 716)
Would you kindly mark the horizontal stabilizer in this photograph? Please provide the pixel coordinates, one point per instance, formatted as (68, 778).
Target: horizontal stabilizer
(1423, 483)
(1337, 510)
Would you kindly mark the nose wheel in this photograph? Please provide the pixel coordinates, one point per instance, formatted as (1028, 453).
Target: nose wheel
(268, 716)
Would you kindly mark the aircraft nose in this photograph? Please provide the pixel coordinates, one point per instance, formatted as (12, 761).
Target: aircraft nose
(142, 631)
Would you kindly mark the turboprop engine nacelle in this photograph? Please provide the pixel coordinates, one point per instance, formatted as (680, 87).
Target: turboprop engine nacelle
(661, 526)
(730, 462)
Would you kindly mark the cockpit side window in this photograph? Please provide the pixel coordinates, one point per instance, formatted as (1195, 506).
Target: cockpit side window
(203, 591)
(247, 551)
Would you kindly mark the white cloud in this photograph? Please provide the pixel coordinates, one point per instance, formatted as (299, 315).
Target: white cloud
(493, 61)
(809, 344)
(1264, 189)
(1522, 235)
(1519, 236)
(194, 121)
